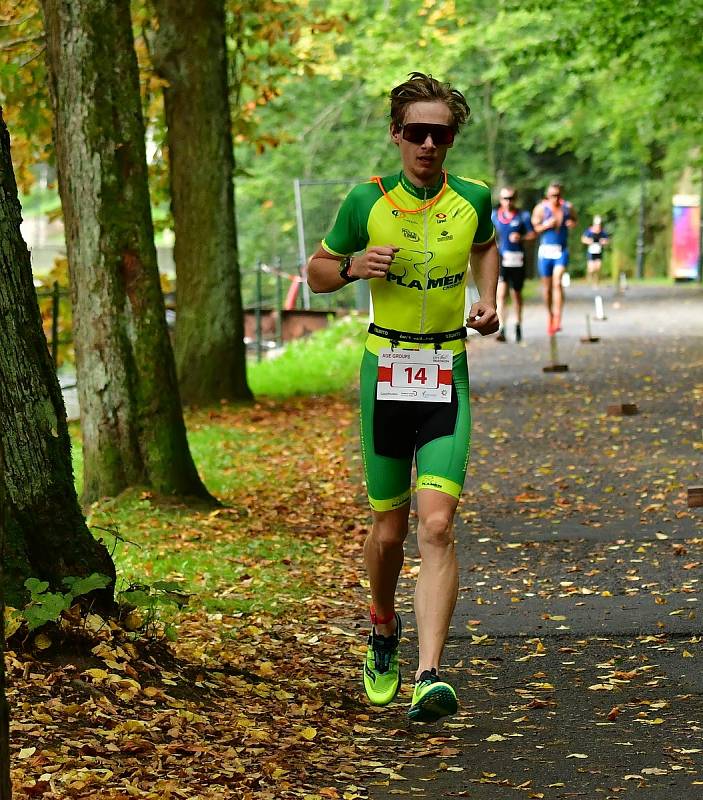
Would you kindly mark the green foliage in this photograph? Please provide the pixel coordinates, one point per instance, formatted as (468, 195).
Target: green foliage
(324, 362)
(152, 603)
(597, 95)
(45, 606)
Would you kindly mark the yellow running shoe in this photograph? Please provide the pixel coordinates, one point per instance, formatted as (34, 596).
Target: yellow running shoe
(432, 698)
(381, 667)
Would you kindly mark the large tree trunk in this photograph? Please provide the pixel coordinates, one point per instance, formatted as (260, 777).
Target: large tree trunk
(190, 53)
(5, 779)
(133, 429)
(46, 534)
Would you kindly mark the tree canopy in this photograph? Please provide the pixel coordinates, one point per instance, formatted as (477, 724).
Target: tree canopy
(600, 95)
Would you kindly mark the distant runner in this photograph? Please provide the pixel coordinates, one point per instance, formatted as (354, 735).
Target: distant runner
(416, 232)
(595, 238)
(513, 227)
(552, 219)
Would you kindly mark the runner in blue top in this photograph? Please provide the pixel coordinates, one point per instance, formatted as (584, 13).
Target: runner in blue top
(552, 219)
(595, 238)
(513, 227)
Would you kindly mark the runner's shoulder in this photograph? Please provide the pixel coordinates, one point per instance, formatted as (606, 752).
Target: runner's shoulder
(474, 191)
(365, 192)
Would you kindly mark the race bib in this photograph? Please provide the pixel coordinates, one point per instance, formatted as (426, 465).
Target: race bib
(417, 375)
(551, 251)
(595, 249)
(513, 258)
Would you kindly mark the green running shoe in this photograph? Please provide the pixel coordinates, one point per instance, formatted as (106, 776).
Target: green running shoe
(381, 668)
(432, 698)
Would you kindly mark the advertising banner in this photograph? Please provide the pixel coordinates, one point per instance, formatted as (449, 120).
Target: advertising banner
(685, 239)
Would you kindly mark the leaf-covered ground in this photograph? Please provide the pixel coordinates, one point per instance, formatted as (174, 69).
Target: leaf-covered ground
(257, 697)
(576, 643)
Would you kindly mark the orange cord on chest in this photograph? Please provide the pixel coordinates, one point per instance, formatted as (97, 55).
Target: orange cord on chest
(377, 180)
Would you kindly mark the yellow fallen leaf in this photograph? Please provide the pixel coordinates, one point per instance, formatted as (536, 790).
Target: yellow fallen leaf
(577, 755)
(26, 752)
(495, 737)
(308, 733)
(42, 641)
(97, 674)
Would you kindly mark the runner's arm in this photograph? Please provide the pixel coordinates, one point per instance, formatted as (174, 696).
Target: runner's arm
(538, 224)
(572, 222)
(323, 267)
(484, 268)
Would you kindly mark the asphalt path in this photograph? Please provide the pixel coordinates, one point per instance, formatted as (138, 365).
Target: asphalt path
(576, 643)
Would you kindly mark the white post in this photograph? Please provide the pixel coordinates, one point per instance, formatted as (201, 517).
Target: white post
(302, 255)
(599, 307)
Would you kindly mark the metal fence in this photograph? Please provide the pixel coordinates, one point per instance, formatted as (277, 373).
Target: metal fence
(54, 293)
(271, 295)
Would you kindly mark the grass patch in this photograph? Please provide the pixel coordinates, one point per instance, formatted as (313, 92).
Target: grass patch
(322, 363)
(268, 463)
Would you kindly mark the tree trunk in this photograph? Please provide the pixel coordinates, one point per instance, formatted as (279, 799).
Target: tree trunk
(190, 54)
(46, 536)
(133, 428)
(5, 779)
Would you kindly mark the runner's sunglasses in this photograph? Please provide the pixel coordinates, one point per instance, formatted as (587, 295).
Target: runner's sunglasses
(417, 133)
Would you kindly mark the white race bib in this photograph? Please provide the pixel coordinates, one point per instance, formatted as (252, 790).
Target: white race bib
(552, 251)
(595, 248)
(513, 258)
(419, 375)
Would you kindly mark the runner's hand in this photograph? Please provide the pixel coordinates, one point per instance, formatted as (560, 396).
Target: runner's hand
(483, 318)
(374, 263)
(514, 237)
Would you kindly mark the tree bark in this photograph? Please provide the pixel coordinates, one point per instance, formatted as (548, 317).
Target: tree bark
(5, 779)
(131, 416)
(45, 535)
(190, 54)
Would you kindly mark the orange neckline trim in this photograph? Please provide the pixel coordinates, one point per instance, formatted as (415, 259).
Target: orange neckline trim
(377, 179)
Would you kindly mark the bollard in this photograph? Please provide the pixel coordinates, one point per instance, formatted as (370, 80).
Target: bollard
(600, 315)
(622, 409)
(695, 496)
(589, 337)
(555, 366)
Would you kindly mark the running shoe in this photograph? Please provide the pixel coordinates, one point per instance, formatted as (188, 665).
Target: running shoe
(432, 698)
(501, 335)
(518, 333)
(381, 667)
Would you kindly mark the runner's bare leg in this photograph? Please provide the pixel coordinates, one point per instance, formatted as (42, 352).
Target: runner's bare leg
(517, 299)
(438, 581)
(383, 556)
(557, 293)
(501, 294)
(547, 295)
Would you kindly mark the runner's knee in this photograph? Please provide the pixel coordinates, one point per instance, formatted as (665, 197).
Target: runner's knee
(388, 531)
(435, 529)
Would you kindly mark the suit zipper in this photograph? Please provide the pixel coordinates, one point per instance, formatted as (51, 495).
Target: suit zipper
(427, 262)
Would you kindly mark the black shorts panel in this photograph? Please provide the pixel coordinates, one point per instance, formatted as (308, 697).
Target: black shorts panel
(513, 276)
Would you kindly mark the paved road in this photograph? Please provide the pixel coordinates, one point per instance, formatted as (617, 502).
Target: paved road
(576, 643)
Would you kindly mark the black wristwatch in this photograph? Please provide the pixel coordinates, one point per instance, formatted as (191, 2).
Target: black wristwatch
(344, 271)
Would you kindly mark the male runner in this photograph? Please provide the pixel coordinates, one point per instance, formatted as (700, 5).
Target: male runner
(513, 227)
(415, 232)
(552, 219)
(595, 238)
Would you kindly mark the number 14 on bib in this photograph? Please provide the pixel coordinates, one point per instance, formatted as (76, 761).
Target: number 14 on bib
(417, 375)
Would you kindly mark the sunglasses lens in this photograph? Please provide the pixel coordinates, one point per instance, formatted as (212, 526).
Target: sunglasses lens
(417, 132)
